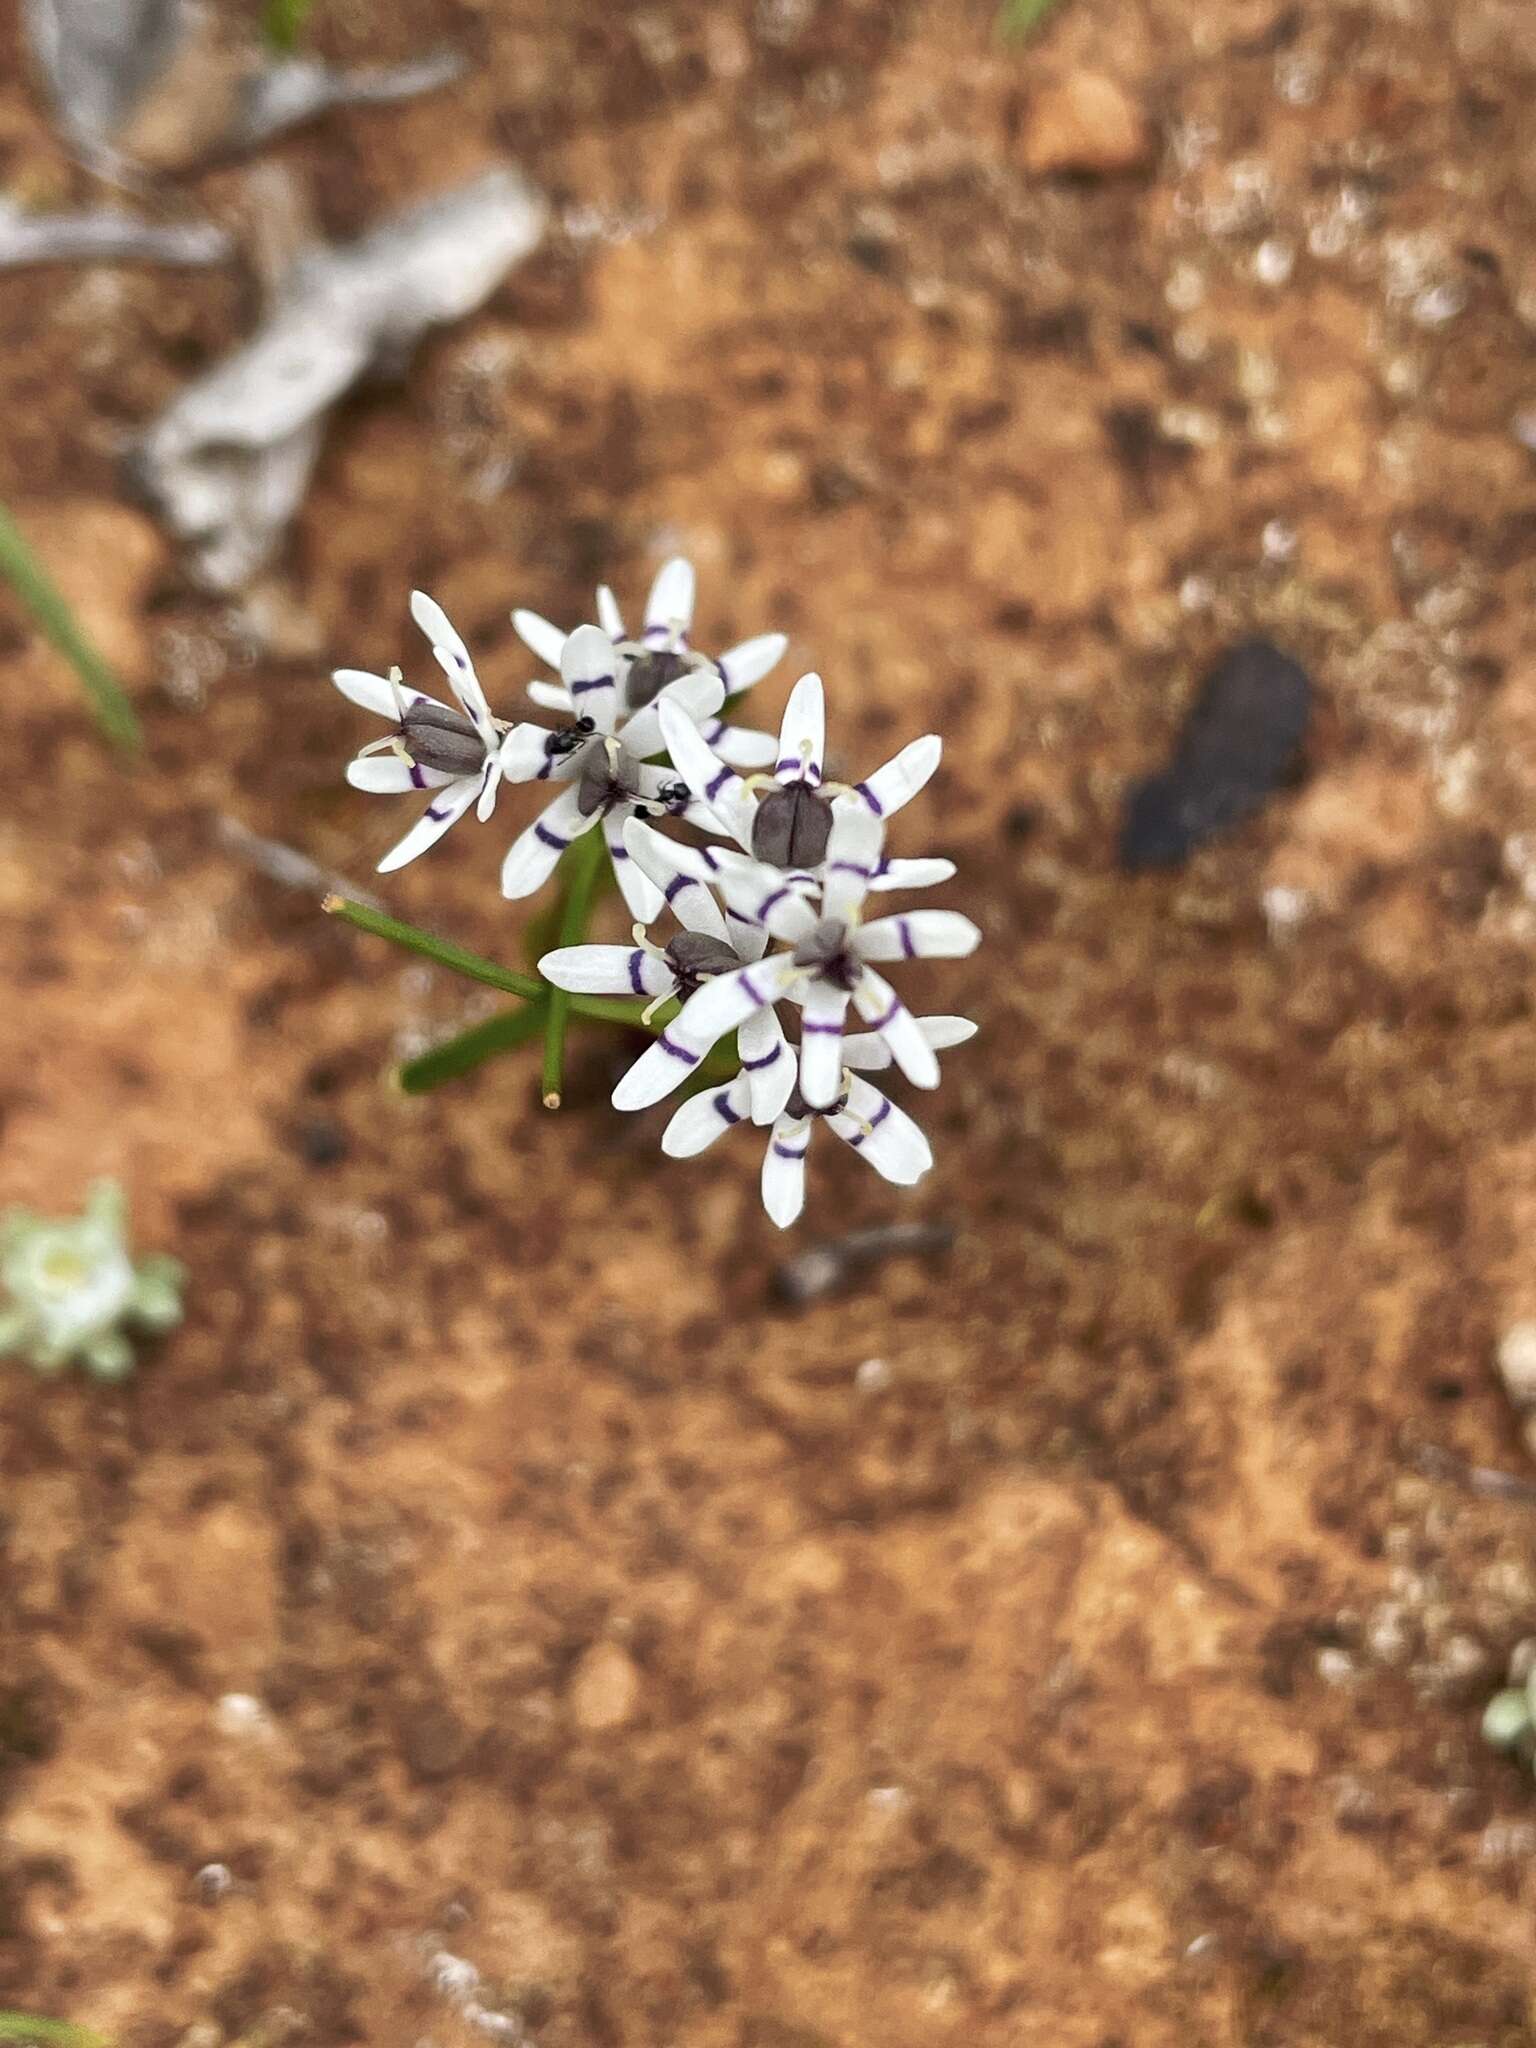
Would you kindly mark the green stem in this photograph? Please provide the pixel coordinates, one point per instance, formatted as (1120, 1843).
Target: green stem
(507, 979)
(43, 599)
(583, 863)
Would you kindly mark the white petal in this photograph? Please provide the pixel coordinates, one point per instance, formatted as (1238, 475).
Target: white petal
(853, 854)
(490, 783)
(551, 697)
(669, 608)
(607, 971)
(539, 636)
(453, 658)
(883, 1010)
(377, 693)
(534, 854)
(727, 1000)
(525, 755)
(589, 668)
(901, 778)
(657, 1072)
(692, 905)
(767, 1062)
(821, 1044)
(450, 804)
(741, 746)
(784, 1169)
(609, 617)
(885, 1135)
(635, 885)
(912, 874)
(918, 935)
(697, 695)
(866, 1052)
(388, 775)
(703, 1118)
(749, 661)
(803, 734)
(720, 788)
(943, 1032)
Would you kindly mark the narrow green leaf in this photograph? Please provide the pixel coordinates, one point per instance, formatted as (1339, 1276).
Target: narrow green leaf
(54, 619)
(19, 2026)
(443, 951)
(1020, 18)
(284, 23)
(461, 1055)
(584, 862)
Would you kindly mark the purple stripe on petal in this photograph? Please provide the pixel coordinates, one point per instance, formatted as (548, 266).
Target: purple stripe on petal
(542, 831)
(619, 852)
(636, 978)
(434, 812)
(849, 867)
(887, 1017)
(593, 683)
(870, 798)
(880, 1114)
(714, 787)
(755, 992)
(788, 1151)
(678, 1052)
(676, 886)
(724, 1111)
(821, 1030)
(768, 902)
(907, 947)
(767, 1060)
(418, 780)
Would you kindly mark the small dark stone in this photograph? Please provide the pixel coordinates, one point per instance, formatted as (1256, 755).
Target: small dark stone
(436, 737)
(792, 827)
(1241, 742)
(322, 1143)
(650, 674)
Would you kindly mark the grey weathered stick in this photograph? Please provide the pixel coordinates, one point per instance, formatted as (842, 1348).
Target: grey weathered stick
(105, 235)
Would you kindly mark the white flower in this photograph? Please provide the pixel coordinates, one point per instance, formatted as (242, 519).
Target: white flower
(660, 656)
(784, 819)
(828, 966)
(609, 774)
(697, 953)
(453, 753)
(861, 1116)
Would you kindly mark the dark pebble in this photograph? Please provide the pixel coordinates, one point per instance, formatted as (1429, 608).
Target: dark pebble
(1241, 741)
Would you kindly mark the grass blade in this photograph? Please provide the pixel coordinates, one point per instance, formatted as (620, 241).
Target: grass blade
(586, 859)
(19, 2026)
(54, 619)
(283, 23)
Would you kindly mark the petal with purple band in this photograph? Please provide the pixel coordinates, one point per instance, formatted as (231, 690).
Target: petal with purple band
(853, 853)
(883, 1134)
(609, 617)
(783, 1181)
(589, 668)
(884, 1011)
(918, 935)
(607, 971)
(732, 805)
(821, 1043)
(703, 1118)
(912, 874)
(640, 893)
(669, 608)
(803, 734)
(767, 1062)
(390, 775)
(692, 905)
(895, 784)
(377, 693)
(450, 804)
(698, 695)
(535, 853)
(453, 659)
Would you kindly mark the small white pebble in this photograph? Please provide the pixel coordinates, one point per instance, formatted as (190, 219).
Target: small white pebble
(241, 1713)
(1196, 594)
(1274, 260)
(1523, 427)
(1336, 1667)
(888, 1798)
(1517, 1346)
(873, 1376)
(1278, 540)
(1285, 909)
(1441, 303)
(213, 1881)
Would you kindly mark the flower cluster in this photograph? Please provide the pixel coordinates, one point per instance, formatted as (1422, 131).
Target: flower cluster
(772, 912)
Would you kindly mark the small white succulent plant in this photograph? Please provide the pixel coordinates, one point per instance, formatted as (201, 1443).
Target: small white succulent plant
(71, 1292)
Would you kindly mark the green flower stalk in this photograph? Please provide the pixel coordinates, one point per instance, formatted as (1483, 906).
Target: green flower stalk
(70, 1291)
